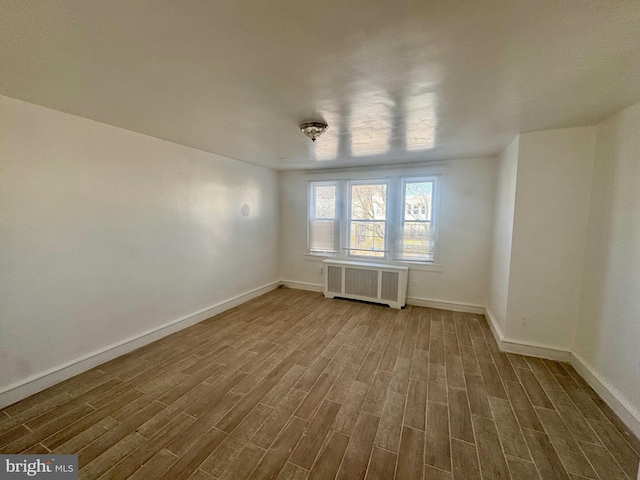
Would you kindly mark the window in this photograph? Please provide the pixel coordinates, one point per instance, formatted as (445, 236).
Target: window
(367, 219)
(418, 241)
(387, 219)
(324, 229)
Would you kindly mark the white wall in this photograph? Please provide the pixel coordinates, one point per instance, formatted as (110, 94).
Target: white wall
(608, 334)
(549, 235)
(466, 213)
(502, 233)
(106, 234)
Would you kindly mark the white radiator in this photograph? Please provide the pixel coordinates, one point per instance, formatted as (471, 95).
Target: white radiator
(374, 282)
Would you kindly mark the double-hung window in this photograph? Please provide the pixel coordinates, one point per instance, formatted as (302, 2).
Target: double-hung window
(324, 226)
(367, 218)
(392, 218)
(417, 230)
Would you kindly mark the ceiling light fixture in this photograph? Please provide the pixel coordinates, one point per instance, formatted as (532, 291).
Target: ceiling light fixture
(313, 129)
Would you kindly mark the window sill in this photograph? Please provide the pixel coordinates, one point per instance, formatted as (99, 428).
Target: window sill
(419, 266)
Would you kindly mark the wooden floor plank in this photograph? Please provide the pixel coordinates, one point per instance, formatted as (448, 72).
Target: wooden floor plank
(492, 460)
(544, 455)
(522, 407)
(619, 425)
(308, 448)
(460, 415)
(224, 454)
(276, 457)
(572, 417)
(156, 466)
(356, 458)
(437, 384)
(189, 462)
(347, 417)
(244, 463)
(401, 375)
(602, 461)
(377, 394)
(315, 396)
(110, 438)
(437, 443)
(330, 458)
(492, 380)
(465, 461)
(522, 470)
(293, 472)
(278, 419)
(390, 427)
(470, 365)
(534, 390)
(416, 406)
(507, 373)
(626, 457)
(509, 430)
(565, 445)
(132, 462)
(411, 456)
(431, 473)
(293, 386)
(382, 465)
(113, 455)
(478, 398)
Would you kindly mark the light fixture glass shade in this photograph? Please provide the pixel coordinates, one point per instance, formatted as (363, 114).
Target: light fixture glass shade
(313, 129)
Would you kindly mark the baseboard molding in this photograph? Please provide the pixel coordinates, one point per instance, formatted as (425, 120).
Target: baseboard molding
(419, 302)
(312, 287)
(611, 395)
(442, 305)
(20, 390)
(531, 349)
(24, 388)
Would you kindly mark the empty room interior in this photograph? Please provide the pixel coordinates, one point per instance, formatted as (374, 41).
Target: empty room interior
(320, 240)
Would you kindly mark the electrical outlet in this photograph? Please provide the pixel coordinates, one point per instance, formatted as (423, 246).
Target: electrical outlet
(525, 321)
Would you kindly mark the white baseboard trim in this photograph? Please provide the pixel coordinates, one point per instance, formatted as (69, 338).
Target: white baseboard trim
(24, 388)
(533, 350)
(524, 348)
(611, 395)
(34, 384)
(442, 305)
(495, 327)
(312, 287)
(419, 302)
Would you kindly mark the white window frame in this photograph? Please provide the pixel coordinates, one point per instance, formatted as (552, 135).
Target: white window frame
(394, 217)
(352, 252)
(311, 214)
(435, 195)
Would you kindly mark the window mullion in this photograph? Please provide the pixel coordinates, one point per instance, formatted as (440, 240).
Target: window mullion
(345, 215)
(394, 208)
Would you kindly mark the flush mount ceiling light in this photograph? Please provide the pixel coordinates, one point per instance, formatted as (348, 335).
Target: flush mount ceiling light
(313, 129)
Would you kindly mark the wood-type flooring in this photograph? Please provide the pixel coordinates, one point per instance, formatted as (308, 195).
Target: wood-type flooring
(293, 386)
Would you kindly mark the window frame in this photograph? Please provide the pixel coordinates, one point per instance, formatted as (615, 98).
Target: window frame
(349, 207)
(434, 180)
(394, 222)
(311, 215)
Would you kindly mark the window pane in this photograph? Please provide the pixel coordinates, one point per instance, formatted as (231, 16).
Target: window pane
(418, 241)
(325, 201)
(367, 238)
(323, 235)
(369, 202)
(418, 199)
